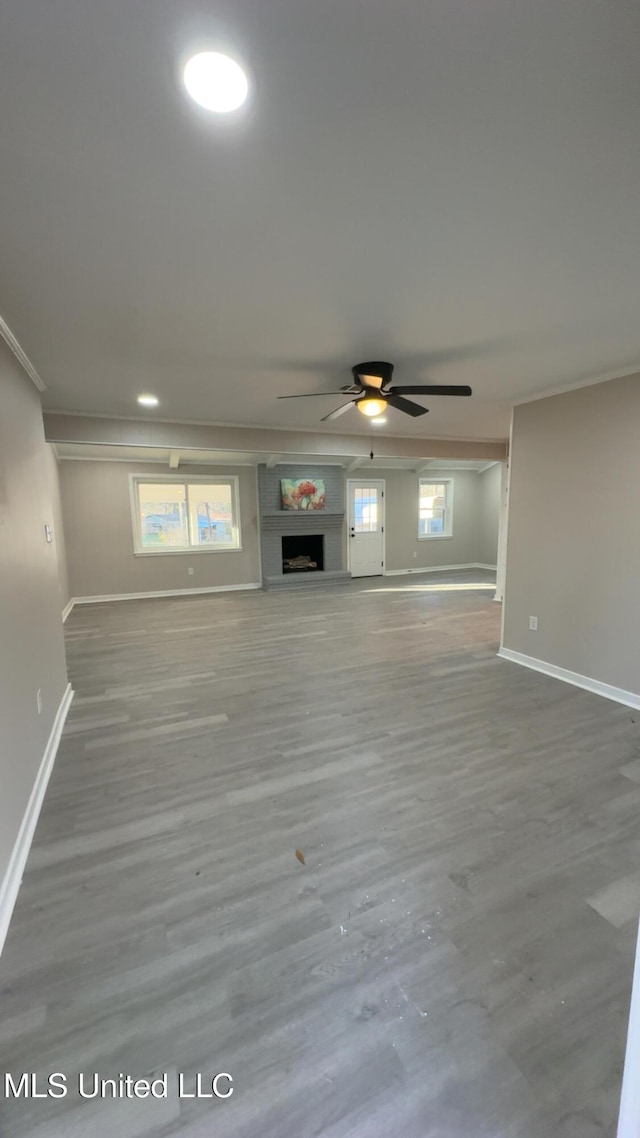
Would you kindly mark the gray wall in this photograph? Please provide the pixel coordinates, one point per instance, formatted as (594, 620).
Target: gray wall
(401, 520)
(101, 560)
(489, 482)
(31, 641)
(573, 555)
(100, 556)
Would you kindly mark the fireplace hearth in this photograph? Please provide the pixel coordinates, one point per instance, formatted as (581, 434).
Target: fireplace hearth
(303, 554)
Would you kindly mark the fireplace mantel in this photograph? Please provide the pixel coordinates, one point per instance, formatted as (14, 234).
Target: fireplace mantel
(290, 522)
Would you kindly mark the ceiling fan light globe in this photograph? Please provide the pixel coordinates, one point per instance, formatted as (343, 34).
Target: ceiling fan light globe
(370, 406)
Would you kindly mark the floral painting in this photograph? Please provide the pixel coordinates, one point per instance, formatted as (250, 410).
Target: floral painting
(303, 494)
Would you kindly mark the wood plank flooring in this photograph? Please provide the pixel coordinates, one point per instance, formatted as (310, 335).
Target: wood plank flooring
(453, 960)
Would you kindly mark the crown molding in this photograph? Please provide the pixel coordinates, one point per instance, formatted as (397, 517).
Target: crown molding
(20, 354)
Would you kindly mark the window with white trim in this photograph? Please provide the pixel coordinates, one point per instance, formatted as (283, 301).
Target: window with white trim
(435, 508)
(176, 515)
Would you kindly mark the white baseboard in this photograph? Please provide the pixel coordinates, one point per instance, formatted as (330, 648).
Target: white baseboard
(67, 609)
(98, 600)
(10, 885)
(102, 598)
(490, 568)
(618, 695)
(438, 569)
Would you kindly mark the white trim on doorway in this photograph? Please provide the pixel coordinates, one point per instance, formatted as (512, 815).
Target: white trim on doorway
(503, 554)
(629, 1117)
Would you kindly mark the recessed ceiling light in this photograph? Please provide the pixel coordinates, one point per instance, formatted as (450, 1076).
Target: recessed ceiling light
(216, 82)
(148, 400)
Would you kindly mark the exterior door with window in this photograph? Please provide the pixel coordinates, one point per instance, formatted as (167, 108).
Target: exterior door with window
(366, 527)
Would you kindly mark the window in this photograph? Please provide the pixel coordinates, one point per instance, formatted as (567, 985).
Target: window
(365, 509)
(173, 516)
(435, 510)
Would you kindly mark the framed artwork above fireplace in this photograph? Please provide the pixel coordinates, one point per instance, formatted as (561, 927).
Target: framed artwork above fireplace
(303, 494)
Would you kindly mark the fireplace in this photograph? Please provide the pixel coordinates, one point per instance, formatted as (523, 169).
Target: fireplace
(303, 554)
(309, 535)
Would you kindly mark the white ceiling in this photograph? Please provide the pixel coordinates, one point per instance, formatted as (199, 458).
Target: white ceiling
(100, 452)
(450, 186)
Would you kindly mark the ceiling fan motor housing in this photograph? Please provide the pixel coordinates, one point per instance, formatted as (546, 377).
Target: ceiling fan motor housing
(379, 368)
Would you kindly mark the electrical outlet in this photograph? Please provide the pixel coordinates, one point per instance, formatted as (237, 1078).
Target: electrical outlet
(533, 624)
(39, 700)
(48, 533)
(415, 553)
(190, 570)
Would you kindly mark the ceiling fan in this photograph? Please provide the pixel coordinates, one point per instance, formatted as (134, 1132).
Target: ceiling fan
(373, 393)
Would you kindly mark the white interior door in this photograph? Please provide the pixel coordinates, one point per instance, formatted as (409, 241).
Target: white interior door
(366, 527)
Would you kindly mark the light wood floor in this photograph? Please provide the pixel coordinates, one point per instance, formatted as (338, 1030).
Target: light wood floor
(453, 961)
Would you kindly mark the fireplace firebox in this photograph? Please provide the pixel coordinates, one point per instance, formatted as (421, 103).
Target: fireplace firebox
(303, 554)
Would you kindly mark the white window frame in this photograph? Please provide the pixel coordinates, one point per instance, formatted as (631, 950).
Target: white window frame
(183, 480)
(448, 509)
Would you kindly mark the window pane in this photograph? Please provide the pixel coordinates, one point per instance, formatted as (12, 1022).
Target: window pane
(211, 518)
(431, 521)
(433, 509)
(365, 512)
(163, 521)
(433, 494)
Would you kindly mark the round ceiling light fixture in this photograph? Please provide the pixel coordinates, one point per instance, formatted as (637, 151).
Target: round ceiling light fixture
(148, 400)
(371, 406)
(215, 82)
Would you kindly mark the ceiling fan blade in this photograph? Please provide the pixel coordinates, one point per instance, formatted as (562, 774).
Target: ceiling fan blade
(338, 411)
(431, 389)
(406, 405)
(309, 394)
